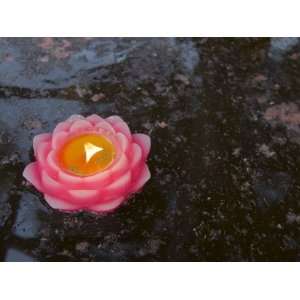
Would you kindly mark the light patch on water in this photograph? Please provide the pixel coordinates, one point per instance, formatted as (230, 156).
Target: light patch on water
(27, 224)
(189, 56)
(44, 114)
(47, 112)
(19, 65)
(15, 255)
(103, 53)
(280, 46)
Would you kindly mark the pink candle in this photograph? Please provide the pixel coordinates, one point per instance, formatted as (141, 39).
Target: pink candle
(89, 163)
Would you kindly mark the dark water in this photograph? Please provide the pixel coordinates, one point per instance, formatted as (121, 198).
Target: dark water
(223, 115)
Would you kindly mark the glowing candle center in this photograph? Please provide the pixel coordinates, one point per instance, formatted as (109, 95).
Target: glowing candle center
(90, 151)
(86, 154)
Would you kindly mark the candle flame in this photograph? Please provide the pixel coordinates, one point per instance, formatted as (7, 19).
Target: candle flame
(91, 150)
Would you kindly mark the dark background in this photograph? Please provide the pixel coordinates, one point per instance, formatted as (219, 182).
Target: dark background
(223, 115)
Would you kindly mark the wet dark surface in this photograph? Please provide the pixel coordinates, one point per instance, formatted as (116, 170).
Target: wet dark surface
(223, 115)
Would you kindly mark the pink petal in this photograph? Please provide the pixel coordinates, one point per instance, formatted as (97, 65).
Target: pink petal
(118, 187)
(42, 151)
(80, 125)
(32, 174)
(142, 179)
(40, 138)
(57, 203)
(85, 197)
(51, 161)
(59, 139)
(94, 119)
(50, 185)
(98, 181)
(123, 128)
(120, 166)
(136, 156)
(62, 126)
(144, 141)
(104, 207)
(123, 141)
(69, 180)
(75, 117)
(114, 119)
(106, 126)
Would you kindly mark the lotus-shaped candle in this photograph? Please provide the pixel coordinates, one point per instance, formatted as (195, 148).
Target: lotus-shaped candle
(89, 163)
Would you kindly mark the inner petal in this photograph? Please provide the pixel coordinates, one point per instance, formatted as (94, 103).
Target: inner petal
(86, 154)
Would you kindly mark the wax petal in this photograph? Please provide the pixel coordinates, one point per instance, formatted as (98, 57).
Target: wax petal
(32, 174)
(114, 119)
(40, 138)
(123, 128)
(136, 156)
(94, 119)
(142, 179)
(57, 203)
(42, 151)
(97, 181)
(69, 180)
(84, 196)
(119, 186)
(51, 161)
(123, 141)
(144, 141)
(44, 164)
(62, 126)
(105, 207)
(50, 185)
(59, 139)
(80, 125)
(75, 117)
(106, 126)
(120, 166)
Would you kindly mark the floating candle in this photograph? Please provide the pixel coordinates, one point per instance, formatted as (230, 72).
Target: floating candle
(89, 163)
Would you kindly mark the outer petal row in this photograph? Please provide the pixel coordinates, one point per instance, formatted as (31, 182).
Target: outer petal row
(31, 173)
(57, 203)
(144, 141)
(84, 198)
(40, 138)
(119, 125)
(143, 177)
(78, 122)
